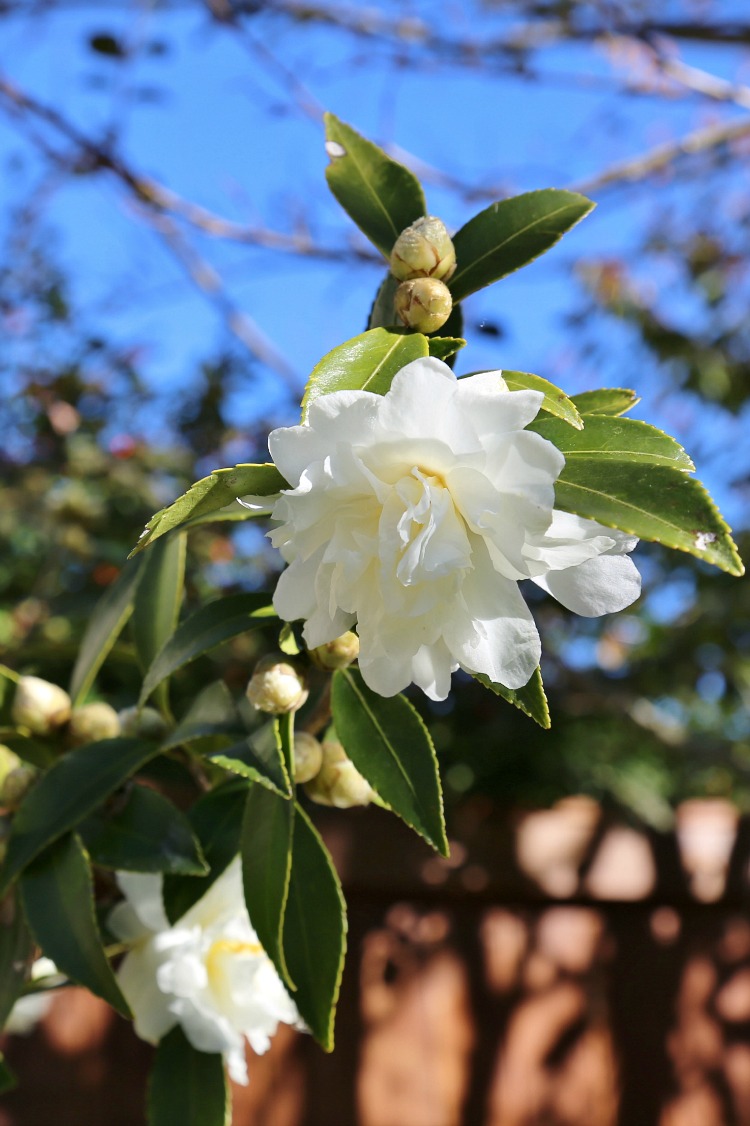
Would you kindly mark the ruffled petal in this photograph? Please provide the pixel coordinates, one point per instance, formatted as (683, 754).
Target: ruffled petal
(602, 585)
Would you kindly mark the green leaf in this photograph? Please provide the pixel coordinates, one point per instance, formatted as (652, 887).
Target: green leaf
(157, 600)
(58, 899)
(213, 712)
(390, 745)
(530, 699)
(16, 949)
(216, 820)
(444, 346)
(510, 234)
(314, 930)
(267, 832)
(365, 363)
(105, 625)
(145, 834)
(187, 1087)
(607, 400)
(380, 195)
(259, 757)
(67, 793)
(383, 313)
(205, 629)
(7, 1079)
(654, 502)
(555, 401)
(607, 439)
(211, 494)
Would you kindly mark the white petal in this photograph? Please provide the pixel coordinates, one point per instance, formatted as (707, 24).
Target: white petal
(137, 980)
(492, 408)
(143, 892)
(597, 586)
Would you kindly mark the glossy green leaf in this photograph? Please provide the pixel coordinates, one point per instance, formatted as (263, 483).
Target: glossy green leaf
(607, 400)
(7, 1079)
(530, 699)
(379, 194)
(157, 600)
(259, 757)
(58, 899)
(314, 930)
(389, 744)
(16, 949)
(144, 833)
(383, 313)
(365, 363)
(443, 347)
(67, 793)
(216, 820)
(267, 831)
(555, 401)
(618, 439)
(105, 625)
(211, 494)
(213, 712)
(208, 627)
(187, 1087)
(654, 502)
(510, 234)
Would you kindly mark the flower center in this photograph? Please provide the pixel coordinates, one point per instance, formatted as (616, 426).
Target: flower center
(223, 947)
(431, 534)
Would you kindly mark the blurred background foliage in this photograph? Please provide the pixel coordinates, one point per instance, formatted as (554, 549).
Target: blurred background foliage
(650, 706)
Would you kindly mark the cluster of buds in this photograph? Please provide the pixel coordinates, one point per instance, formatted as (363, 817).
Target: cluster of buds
(39, 706)
(338, 782)
(92, 722)
(16, 778)
(423, 259)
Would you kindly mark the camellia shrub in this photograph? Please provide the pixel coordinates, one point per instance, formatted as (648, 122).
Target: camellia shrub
(408, 505)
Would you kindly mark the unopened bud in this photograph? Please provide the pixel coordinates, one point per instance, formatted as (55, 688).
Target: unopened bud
(308, 756)
(424, 250)
(338, 782)
(92, 722)
(9, 760)
(337, 654)
(17, 784)
(39, 705)
(277, 686)
(146, 722)
(423, 304)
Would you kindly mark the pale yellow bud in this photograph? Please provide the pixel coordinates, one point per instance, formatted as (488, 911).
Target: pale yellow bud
(308, 756)
(337, 654)
(9, 760)
(39, 705)
(92, 722)
(338, 782)
(146, 722)
(277, 686)
(424, 250)
(423, 304)
(17, 784)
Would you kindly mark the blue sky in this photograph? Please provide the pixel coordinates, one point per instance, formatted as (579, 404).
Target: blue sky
(217, 119)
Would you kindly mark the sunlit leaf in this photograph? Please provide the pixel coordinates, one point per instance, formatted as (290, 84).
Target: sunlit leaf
(555, 401)
(365, 363)
(620, 439)
(157, 600)
(105, 625)
(530, 699)
(607, 400)
(58, 899)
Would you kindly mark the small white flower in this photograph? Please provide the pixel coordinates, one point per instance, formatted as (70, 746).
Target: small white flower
(414, 516)
(207, 972)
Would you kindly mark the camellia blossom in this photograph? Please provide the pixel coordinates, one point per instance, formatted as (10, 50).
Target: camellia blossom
(414, 515)
(207, 972)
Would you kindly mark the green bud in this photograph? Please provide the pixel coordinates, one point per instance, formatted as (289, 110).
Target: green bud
(336, 654)
(423, 304)
(9, 760)
(39, 705)
(308, 756)
(277, 686)
(146, 722)
(92, 722)
(17, 784)
(338, 782)
(423, 250)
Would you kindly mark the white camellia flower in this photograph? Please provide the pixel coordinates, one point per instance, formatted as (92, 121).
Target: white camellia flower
(207, 972)
(415, 514)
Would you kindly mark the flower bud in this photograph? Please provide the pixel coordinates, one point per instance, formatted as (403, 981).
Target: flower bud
(423, 250)
(39, 705)
(308, 756)
(17, 784)
(92, 722)
(338, 782)
(277, 685)
(336, 654)
(9, 760)
(146, 722)
(423, 304)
